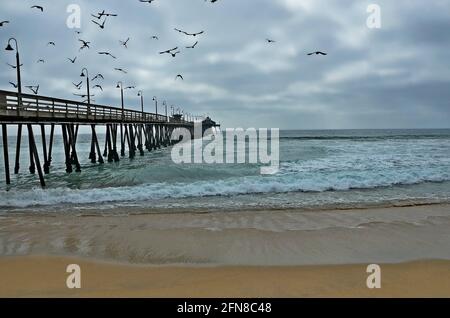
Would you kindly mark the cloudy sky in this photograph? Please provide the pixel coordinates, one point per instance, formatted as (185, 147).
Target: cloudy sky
(394, 77)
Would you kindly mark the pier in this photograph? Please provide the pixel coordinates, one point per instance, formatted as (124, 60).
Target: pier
(127, 131)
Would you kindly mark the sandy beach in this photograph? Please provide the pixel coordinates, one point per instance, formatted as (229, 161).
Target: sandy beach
(46, 277)
(245, 254)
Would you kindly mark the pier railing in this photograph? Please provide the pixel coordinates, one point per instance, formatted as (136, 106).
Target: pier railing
(41, 108)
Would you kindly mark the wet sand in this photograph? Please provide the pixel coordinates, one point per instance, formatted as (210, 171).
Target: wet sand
(46, 277)
(285, 253)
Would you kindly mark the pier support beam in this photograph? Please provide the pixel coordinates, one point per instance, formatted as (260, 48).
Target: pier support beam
(5, 153)
(18, 144)
(35, 155)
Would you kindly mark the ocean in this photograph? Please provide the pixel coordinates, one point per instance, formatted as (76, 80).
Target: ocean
(321, 169)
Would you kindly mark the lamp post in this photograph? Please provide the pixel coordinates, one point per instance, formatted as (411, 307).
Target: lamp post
(141, 94)
(165, 108)
(19, 81)
(155, 99)
(122, 141)
(83, 71)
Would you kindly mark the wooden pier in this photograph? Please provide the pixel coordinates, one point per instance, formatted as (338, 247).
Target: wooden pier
(138, 131)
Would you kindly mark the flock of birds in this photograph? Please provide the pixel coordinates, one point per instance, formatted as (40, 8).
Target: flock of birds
(100, 19)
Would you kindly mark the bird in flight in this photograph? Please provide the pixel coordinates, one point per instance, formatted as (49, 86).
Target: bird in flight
(154, 37)
(13, 66)
(97, 76)
(120, 70)
(192, 46)
(169, 51)
(34, 89)
(179, 76)
(83, 95)
(78, 86)
(103, 14)
(101, 26)
(14, 85)
(125, 43)
(3, 23)
(187, 33)
(147, 1)
(38, 8)
(317, 53)
(270, 41)
(51, 43)
(85, 44)
(130, 87)
(72, 60)
(40, 61)
(98, 86)
(107, 53)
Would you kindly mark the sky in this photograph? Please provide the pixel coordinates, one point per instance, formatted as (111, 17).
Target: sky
(396, 76)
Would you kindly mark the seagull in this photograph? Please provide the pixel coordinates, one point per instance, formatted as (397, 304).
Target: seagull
(270, 41)
(101, 26)
(13, 66)
(38, 7)
(98, 86)
(51, 43)
(34, 89)
(191, 34)
(78, 86)
(317, 53)
(40, 61)
(3, 23)
(154, 37)
(15, 85)
(179, 76)
(125, 43)
(72, 60)
(85, 44)
(147, 1)
(130, 87)
(83, 95)
(192, 46)
(97, 76)
(107, 53)
(169, 51)
(121, 70)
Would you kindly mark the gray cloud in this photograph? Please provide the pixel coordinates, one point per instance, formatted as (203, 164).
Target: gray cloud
(395, 77)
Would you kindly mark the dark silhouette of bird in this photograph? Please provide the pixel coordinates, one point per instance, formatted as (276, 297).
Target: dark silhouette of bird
(3, 23)
(179, 76)
(101, 26)
(34, 89)
(72, 60)
(107, 53)
(83, 95)
(192, 46)
(130, 87)
(13, 84)
(125, 43)
(174, 54)
(169, 51)
(85, 44)
(78, 86)
(190, 34)
(154, 37)
(120, 70)
(147, 1)
(270, 41)
(38, 7)
(98, 86)
(51, 43)
(97, 76)
(40, 61)
(13, 66)
(317, 53)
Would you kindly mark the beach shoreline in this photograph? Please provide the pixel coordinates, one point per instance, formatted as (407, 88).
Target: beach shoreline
(45, 276)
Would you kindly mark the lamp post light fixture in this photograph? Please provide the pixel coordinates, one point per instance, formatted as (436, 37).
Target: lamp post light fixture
(19, 81)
